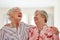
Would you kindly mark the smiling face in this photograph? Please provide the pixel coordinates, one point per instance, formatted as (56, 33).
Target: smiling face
(16, 14)
(38, 18)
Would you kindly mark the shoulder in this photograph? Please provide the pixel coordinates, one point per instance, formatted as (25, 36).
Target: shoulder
(24, 24)
(6, 26)
(49, 31)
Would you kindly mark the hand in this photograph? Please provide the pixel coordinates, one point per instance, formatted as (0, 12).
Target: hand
(55, 30)
(7, 25)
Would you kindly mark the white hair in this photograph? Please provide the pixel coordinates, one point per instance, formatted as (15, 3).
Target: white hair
(14, 8)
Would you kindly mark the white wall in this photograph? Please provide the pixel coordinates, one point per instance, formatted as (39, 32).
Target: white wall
(57, 14)
(2, 12)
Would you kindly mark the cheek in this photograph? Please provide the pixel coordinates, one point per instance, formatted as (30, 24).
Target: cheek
(14, 16)
(41, 19)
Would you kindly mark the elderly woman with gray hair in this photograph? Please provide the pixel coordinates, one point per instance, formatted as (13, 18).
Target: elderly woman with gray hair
(16, 30)
(41, 31)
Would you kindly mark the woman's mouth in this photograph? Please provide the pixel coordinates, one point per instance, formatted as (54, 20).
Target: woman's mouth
(19, 16)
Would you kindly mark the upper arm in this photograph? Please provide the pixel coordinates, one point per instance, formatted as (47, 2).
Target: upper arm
(1, 34)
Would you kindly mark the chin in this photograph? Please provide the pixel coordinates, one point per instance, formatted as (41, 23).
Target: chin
(19, 19)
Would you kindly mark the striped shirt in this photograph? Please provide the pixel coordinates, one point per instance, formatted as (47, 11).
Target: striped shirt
(10, 33)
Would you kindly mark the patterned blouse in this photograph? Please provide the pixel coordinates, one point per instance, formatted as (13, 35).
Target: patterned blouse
(10, 33)
(47, 33)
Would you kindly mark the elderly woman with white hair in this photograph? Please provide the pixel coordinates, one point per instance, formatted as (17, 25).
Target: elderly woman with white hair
(41, 31)
(16, 30)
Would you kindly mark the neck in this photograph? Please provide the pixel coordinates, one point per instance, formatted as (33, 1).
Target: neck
(15, 24)
(40, 26)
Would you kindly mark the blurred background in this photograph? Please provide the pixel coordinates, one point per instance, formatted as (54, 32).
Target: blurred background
(28, 7)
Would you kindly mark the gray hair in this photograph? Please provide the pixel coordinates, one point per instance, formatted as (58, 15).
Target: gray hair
(43, 14)
(12, 9)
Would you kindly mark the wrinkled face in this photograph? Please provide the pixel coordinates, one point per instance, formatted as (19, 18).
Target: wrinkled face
(38, 18)
(16, 14)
